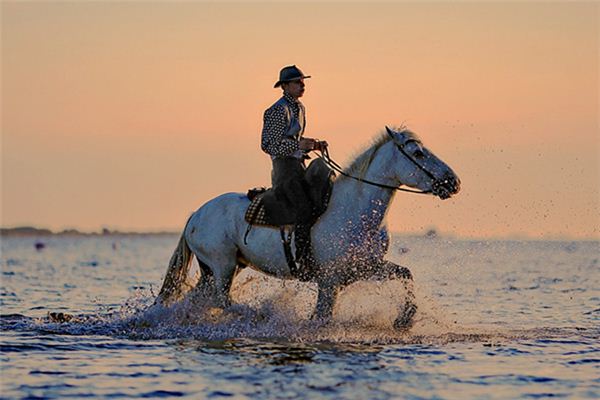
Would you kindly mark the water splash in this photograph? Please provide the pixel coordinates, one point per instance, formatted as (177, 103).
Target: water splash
(269, 308)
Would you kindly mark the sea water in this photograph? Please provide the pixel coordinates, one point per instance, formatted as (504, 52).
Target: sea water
(495, 320)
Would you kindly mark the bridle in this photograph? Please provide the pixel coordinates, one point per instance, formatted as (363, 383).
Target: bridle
(336, 167)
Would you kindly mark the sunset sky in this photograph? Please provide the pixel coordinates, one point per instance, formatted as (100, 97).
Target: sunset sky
(130, 115)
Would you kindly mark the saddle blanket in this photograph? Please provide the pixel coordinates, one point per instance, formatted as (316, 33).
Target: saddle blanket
(256, 214)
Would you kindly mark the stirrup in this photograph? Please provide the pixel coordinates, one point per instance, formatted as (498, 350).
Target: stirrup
(286, 240)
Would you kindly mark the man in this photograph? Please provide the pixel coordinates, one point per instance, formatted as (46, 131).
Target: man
(282, 138)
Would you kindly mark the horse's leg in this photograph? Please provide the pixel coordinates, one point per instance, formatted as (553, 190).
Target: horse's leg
(209, 238)
(206, 284)
(223, 280)
(405, 320)
(325, 299)
(215, 281)
(388, 270)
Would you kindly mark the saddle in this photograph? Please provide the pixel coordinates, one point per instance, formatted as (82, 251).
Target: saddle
(271, 209)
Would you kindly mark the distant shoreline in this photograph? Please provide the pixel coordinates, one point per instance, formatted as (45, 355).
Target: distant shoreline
(432, 234)
(25, 231)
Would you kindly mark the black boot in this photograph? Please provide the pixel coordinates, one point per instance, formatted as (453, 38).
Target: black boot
(304, 255)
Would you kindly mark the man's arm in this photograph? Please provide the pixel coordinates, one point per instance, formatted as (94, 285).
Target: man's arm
(273, 139)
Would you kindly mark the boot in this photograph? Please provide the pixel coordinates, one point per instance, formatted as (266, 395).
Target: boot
(304, 256)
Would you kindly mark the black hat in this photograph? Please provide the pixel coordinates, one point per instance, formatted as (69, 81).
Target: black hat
(290, 73)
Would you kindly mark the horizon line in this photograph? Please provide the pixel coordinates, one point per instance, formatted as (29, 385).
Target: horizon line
(431, 232)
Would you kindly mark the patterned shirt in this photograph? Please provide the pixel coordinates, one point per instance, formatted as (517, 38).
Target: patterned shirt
(275, 125)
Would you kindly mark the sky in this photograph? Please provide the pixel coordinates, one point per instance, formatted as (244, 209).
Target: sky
(131, 115)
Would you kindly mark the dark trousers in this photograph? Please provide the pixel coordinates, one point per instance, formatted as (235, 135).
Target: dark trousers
(289, 183)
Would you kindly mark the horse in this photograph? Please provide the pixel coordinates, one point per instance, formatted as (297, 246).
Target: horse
(350, 239)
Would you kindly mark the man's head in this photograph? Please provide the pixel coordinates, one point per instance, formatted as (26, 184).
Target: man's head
(291, 80)
(294, 88)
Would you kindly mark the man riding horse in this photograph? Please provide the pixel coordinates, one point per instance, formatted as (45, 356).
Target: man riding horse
(350, 236)
(282, 138)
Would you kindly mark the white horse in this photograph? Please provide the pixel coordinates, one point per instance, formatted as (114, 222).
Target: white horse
(349, 240)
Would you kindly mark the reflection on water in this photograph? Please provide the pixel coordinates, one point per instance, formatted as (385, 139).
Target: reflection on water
(495, 320)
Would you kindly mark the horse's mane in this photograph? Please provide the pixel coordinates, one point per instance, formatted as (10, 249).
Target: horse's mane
(364, 157)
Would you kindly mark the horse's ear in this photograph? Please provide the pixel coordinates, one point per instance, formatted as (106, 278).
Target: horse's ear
(389, 131)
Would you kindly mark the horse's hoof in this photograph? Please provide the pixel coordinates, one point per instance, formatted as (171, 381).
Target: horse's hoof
(60, 317)
(401, 272)
(319, 321)
(405, 321)
(390, 270)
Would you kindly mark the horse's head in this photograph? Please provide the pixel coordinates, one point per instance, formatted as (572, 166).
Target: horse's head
(419, 168)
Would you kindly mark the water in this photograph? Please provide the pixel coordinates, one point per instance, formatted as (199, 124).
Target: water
(496, 319)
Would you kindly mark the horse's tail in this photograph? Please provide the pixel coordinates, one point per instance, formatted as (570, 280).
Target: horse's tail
(176, 283)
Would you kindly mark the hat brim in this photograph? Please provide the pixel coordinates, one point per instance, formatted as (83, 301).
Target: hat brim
(278, 83)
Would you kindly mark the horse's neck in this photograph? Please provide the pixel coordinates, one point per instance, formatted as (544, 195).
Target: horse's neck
(357, 205)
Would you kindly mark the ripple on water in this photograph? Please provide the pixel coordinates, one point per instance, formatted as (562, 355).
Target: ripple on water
(491, 323)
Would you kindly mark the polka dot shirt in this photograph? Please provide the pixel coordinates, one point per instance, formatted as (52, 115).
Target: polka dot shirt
(275, 124)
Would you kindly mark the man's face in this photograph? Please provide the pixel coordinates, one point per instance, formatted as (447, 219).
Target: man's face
(294, 88)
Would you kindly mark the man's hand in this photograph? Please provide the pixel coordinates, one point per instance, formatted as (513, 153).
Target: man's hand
(307, 144)
(321, 145)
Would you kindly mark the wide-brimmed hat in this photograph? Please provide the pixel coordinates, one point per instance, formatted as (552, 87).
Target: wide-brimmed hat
(288, 74)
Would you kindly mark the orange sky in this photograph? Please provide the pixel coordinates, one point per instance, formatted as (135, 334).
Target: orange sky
(131, 115)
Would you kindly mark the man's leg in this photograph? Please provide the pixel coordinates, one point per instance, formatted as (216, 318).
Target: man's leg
(289, 178)
(304, 222)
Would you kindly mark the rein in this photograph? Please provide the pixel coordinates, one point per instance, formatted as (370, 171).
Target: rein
(336, 167)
